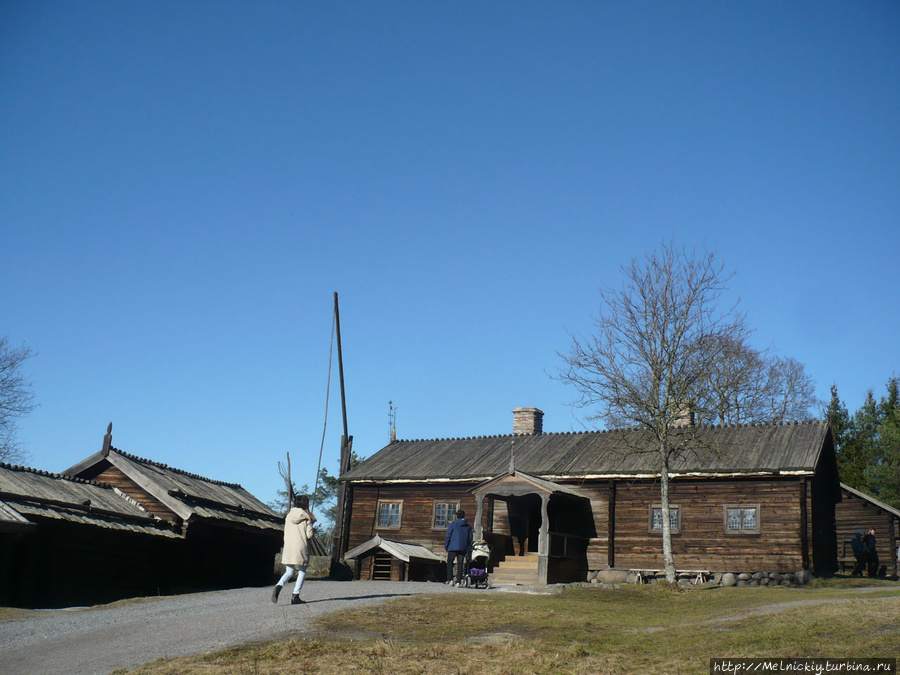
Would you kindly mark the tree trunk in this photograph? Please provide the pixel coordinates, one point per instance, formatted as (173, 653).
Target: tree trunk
(668, 558)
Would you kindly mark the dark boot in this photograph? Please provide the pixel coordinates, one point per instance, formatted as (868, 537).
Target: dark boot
(275, 592)
(295, 600)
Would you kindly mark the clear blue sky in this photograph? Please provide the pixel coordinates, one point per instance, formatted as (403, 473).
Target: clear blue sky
(184, 185)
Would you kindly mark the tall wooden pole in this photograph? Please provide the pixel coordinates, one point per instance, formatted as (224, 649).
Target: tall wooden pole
(339, 542)
(337, 323)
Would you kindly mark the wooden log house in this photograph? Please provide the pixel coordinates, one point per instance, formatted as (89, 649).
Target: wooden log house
(230, 537)
(554, 506)
(67, 541)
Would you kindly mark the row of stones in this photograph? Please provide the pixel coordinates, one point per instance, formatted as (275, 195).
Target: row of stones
(766, 579)
(717, 579)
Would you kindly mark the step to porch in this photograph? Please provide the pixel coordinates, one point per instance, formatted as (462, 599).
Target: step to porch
(516, 570)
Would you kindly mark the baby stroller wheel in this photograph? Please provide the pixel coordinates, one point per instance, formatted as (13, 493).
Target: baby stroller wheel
(466, 582)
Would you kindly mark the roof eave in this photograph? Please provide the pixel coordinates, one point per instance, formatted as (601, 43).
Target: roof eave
(599, 476)
(86, 464)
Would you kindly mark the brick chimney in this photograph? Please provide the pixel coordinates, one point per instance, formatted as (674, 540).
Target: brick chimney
(528, 422)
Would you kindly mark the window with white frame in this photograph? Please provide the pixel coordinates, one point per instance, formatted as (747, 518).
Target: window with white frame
(389, 514)
(742, 519)
(444, 513)
(656, 519)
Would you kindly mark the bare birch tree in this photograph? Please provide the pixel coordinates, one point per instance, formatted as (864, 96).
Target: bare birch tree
(748, 386)
(791, 391)
(658, 338)
(16, 398)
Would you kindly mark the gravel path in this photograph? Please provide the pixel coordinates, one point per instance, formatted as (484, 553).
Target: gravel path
(99, 640)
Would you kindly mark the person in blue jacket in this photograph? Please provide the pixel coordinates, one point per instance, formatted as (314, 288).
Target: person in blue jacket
(457, 545)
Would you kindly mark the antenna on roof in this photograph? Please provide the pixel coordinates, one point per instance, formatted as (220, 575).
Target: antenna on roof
(392, 420)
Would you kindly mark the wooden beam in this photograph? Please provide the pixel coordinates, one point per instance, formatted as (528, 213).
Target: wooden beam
(804, 525)
(611, 527)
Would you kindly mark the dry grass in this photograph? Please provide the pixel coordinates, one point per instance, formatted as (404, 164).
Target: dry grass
(584, 630)
(15, 614)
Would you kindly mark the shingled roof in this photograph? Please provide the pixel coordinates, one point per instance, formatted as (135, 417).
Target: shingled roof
(27, 495)
(185, 494)
(722, 451)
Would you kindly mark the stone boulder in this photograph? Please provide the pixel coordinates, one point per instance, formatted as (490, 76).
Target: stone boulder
(319, 567)
(612, 577)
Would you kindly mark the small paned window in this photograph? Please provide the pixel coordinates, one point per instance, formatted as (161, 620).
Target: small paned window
(444, 513)
(389, 514)
(656, 519)
(742, 519)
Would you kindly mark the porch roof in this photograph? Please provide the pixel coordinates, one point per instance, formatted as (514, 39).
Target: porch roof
(401, 550)
(518, 483)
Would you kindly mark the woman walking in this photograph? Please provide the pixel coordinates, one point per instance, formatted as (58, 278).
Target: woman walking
(298, 532)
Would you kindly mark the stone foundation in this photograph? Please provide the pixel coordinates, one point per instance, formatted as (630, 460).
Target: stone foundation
(690, 579)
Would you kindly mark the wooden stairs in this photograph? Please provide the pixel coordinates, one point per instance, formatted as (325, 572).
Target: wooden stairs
(516, 570)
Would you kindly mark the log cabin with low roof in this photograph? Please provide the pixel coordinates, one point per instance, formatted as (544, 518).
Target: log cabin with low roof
(230, 536)
(556, 506)
(68, 541)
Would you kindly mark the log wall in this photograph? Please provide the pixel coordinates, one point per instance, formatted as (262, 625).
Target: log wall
(702, 542)
(854, 513)
(61, 564)
(416, 517)
(620, 535)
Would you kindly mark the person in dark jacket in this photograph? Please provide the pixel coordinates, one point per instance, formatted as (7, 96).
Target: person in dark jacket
(859, 552)
(457, 543)
(871, 553)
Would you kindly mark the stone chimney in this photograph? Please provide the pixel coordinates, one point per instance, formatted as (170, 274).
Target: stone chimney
(684, 417)
(528, 422)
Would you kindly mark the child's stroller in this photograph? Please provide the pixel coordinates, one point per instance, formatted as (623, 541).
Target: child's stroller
(477, 574)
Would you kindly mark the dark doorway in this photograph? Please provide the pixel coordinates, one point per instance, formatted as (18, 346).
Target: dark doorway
(524, 523)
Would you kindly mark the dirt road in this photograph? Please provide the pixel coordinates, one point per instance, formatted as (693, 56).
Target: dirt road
(124, 635)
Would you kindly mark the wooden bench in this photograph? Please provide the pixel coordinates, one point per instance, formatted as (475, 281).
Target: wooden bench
(643, 575)
(847, 560)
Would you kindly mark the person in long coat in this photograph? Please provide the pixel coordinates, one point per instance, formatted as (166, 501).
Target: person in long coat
(298, 532)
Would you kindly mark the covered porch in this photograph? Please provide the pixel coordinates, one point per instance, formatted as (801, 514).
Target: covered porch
(538, 530)
(382, 559)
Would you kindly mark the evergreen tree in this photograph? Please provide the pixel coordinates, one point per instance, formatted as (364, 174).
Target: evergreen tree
(836, 413)
(863, 442)
(280, 504)
(883, 473)
(868, 443)
(851, 466)
(325, 502)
